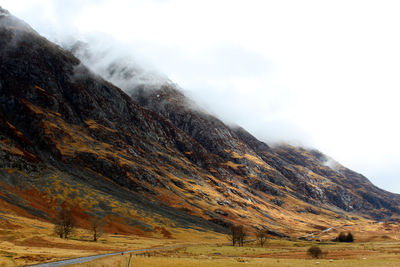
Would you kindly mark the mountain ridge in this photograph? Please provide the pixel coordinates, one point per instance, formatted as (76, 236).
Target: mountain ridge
(67, 134)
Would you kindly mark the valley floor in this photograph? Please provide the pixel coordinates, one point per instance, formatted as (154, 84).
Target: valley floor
(275, 253)
(26, 241)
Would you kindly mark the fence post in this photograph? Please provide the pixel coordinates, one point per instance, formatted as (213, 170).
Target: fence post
(129, 262)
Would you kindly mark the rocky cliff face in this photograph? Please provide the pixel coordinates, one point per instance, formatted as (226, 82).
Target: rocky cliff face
(151, 157)
(294, 167)
(312, 176)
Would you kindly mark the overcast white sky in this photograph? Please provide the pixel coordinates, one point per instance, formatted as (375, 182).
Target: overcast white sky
(324, 74)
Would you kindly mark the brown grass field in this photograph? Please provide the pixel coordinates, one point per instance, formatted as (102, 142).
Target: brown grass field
(26, 241)
(275, 253)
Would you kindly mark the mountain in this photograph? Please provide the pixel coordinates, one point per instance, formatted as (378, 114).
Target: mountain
(151, 158)
(295, 168)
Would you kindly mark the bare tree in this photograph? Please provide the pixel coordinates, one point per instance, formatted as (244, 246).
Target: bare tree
(242, 237)
(237, 234)
(97, 225)
(65, 222)
(233, 234)
(58, 229)
(261, 237)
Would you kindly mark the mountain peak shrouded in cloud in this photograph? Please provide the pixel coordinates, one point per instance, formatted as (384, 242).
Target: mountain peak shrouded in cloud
(314, 73)
(4, 12)
(118, 67)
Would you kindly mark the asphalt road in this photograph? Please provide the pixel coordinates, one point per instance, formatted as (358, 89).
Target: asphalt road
(94, 257)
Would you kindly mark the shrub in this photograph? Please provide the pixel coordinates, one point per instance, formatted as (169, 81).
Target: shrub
(342, 237)
(345, 238)
(314, 252)
(349, 237)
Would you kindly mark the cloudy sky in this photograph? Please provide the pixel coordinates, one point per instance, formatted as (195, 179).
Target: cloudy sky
(322, 74)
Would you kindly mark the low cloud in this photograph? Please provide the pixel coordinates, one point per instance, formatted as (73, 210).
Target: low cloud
(114, 63)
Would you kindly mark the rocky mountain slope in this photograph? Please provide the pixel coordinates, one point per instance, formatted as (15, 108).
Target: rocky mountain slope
(151, 160)
(295, 168)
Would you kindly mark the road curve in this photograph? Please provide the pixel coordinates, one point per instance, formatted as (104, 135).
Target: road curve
(94, 257)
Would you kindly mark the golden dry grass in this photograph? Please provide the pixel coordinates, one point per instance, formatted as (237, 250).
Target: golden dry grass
(29, 241)
(190, 262)
(276, 253)
(373, 248)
